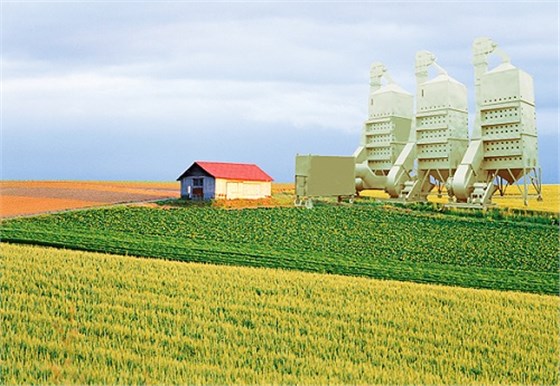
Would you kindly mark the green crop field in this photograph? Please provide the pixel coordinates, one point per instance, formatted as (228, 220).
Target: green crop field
(350, 240)
(81, 317)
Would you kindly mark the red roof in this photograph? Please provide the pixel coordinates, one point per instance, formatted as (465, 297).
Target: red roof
(234, 171)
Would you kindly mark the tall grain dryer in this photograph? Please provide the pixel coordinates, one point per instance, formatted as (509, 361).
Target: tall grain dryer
(386, 131)
(440, 136)
(503, 148)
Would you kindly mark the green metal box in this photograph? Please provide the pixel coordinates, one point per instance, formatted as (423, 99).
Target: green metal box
(324, 176)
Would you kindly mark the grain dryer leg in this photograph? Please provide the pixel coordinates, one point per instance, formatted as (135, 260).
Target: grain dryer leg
(537, 183)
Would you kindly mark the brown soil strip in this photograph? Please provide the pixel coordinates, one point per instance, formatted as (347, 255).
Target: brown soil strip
(34, 197)
(81, 194)
(17, 205)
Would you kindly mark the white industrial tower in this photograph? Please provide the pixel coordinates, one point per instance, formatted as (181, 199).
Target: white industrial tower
(503, 148)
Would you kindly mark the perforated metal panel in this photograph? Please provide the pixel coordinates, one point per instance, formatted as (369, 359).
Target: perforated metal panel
(388, 127)
(507, 119)
(441, 125)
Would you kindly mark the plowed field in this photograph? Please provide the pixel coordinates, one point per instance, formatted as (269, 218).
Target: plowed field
(33, 197)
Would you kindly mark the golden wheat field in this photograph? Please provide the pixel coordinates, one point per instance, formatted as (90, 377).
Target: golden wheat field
(512, 199)
(77, 317)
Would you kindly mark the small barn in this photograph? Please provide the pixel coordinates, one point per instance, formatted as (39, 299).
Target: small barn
(224, 180)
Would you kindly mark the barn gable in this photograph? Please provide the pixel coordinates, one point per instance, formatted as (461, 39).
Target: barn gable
(194, 171)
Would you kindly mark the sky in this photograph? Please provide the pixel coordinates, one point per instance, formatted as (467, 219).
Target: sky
(109, 90)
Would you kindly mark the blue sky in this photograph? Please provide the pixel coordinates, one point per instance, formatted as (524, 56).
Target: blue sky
(139, 90)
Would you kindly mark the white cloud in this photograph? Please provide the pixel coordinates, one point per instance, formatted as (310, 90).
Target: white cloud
(90, 96)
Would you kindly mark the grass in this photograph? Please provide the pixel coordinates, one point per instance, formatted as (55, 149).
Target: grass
(77, 317)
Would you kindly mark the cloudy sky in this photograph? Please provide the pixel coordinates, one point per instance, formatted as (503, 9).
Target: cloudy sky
(139, 90)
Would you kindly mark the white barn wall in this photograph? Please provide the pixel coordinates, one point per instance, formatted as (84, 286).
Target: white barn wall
(234, 189)
(266, 189)
(255, 189)
(221, 185)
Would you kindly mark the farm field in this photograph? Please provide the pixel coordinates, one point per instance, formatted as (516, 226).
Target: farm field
(34, 197)
(22, 198)
(74, 317)
(359, 240)
(512, 199)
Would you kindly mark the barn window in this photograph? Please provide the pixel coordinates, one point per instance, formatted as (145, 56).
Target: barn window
(197, 182)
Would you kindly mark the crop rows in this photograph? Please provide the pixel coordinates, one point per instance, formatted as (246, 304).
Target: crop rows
(360, 241)
(82, 318)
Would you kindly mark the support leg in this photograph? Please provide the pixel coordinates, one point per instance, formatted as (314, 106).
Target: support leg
(525, 190)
